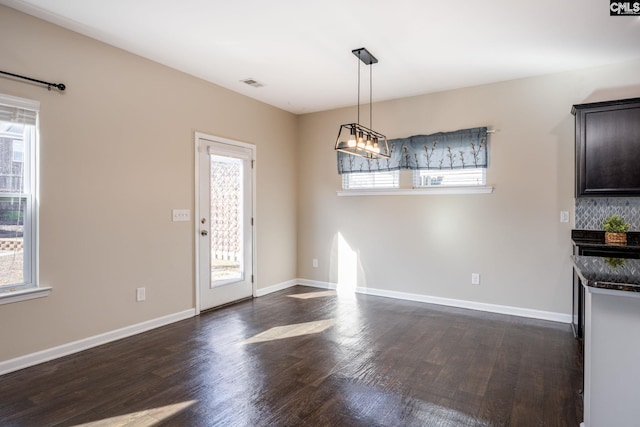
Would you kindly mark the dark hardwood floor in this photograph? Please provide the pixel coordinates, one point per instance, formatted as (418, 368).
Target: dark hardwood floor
(330, 360)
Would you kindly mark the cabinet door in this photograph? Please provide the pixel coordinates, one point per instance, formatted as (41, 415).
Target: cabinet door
(608, 149)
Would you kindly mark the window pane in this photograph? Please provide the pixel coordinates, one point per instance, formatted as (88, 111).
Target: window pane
(12, 213)
(12, 157)
(226, 220)
(449, 177)
(18, 150)
(369, 180)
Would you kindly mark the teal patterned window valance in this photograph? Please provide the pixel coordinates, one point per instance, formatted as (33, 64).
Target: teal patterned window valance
(466, 148)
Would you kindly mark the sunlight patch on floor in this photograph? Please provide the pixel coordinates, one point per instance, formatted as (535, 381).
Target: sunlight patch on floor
(443, 415)
(308, 295)
(375, 404)
(145, 418)
(290, 331)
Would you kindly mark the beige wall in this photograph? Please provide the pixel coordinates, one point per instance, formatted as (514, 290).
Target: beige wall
(116, 156)
(430, 245)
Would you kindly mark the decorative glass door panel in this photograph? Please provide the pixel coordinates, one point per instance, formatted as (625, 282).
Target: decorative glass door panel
(227, 209)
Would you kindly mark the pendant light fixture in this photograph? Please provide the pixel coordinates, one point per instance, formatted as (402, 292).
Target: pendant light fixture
(355, 139)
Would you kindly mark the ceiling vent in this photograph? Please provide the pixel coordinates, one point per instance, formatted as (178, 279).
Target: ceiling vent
(252, 82)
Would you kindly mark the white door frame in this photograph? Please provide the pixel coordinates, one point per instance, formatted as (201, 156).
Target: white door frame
(203, 136)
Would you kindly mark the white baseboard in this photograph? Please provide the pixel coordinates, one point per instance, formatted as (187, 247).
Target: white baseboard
(86, 343)
(277, 287)
(492, 308)
(317, 284)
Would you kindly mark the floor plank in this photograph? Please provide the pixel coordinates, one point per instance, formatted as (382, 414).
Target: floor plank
(320, 360)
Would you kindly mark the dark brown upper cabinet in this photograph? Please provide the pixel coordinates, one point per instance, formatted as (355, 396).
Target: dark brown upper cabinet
(608, 148)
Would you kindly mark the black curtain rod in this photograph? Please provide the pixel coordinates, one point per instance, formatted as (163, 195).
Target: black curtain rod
(59, 86)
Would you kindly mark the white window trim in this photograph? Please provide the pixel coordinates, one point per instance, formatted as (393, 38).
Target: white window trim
(22, 292)
(422, 191)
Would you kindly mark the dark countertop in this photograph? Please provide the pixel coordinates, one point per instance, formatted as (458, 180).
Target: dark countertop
(615, 274)
(595, 239)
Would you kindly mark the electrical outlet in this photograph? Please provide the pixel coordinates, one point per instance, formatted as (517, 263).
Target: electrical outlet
(475, 278)
(564, 216)
(315, 263)
(141, 294)
(181, 215)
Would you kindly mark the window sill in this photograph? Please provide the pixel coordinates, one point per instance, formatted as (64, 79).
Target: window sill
(23, 295)
(417, 191)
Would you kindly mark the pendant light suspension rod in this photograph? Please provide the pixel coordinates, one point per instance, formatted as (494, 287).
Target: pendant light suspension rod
(370, 96)
(365, 56)
(359, 87)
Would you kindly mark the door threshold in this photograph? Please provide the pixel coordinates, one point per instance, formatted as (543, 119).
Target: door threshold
(227, 304)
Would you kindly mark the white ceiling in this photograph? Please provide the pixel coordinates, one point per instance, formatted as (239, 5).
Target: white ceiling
(301, 50)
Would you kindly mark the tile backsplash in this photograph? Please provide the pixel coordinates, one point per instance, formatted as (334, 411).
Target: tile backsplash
(591, 212)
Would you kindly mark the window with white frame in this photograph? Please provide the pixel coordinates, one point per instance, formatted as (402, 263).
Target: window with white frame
(449, 177)
(370, 180)
(18, 191)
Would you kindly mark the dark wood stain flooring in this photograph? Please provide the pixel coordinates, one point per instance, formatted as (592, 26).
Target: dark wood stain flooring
(332, 360)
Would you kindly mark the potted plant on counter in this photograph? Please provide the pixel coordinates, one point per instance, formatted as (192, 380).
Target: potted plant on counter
(615, 230)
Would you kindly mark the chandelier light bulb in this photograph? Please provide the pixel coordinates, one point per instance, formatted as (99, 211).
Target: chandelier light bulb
(351, 143)
(360, 140)
(376, 147)
(368, 145)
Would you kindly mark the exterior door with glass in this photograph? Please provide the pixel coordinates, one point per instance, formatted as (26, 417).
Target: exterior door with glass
(225, 221)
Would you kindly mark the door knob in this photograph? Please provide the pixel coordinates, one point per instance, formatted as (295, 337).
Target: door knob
(204, 232)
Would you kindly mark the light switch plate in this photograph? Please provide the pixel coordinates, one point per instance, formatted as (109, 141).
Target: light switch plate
(564, 216)
(181, 215)
(475, 278)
